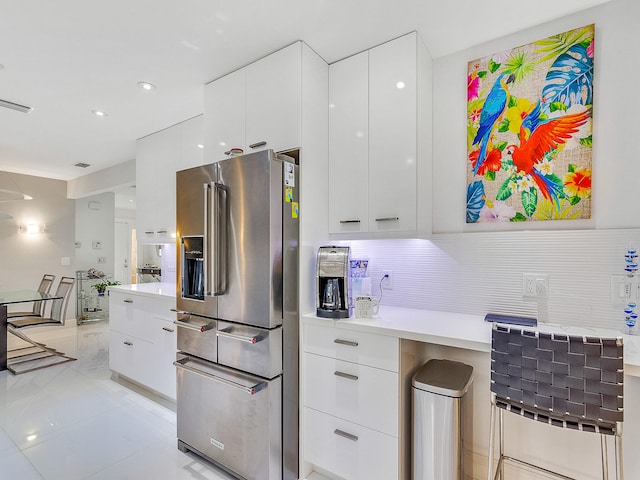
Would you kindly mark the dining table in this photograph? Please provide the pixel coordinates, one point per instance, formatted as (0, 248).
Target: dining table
(11, 297)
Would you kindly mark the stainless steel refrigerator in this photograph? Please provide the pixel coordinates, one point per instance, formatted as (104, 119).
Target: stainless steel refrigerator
(237, 365)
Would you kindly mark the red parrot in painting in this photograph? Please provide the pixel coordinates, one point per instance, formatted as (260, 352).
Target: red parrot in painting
(492, 111)
(537, 138)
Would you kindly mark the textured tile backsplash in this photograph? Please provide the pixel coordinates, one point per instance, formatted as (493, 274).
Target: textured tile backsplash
(482, 272)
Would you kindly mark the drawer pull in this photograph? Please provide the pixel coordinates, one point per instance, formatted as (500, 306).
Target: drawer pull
(345, 375)
(258, 144)
(346, 435)
(349, 221)
(350, 343)
(127, 300)
(226, 332)
(128, 344)
(196, 328)
(170, 330)
(388, 219)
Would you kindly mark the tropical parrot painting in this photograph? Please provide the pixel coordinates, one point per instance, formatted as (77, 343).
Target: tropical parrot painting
(529, 118)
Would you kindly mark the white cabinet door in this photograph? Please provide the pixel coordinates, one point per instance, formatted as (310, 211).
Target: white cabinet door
(392, 135)
(129, 356)
(164, 345)
(357, 393)
(156, 159)
(224, 115)
(274, 96)
(146, 181)
(347, 449)
(349, 144)
(191, 143)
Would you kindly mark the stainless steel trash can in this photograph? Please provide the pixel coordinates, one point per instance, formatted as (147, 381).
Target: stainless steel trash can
(438, 387)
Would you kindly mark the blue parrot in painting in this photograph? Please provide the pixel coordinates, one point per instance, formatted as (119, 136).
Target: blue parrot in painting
(492, 111)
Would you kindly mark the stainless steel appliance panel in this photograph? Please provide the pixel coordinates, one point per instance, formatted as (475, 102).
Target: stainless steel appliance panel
(254, 190)
(251, 349)
(233, 419)
(197, 335)
(194, 203)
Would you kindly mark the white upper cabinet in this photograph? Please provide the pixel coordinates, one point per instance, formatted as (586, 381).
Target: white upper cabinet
(349, 145)
(156, 159)
(224, 118)
(380, 141)
(392, 135)
(274, 94)
(257, 107)
(191, 143)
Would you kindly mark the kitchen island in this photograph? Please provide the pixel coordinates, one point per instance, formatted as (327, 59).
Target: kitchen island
(142, 340)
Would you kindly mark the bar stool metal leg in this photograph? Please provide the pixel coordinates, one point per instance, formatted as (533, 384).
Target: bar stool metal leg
(492, 428)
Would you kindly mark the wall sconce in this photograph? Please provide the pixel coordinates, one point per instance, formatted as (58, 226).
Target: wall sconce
(31, 228)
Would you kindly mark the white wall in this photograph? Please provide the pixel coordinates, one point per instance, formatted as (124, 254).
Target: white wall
(95, 223)
(25, 258)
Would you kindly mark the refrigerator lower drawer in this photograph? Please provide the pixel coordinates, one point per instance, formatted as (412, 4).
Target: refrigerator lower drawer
(197, 335)
(232, 418)
(251, 349)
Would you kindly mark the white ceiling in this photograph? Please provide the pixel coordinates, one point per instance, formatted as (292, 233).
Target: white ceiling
(66, 58)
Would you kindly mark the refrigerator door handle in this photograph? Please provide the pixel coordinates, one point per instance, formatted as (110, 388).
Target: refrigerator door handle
(205, 240)
(226, 332)
(220, 238)
(251, 390)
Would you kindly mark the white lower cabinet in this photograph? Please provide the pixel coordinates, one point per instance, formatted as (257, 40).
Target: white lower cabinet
(347, 449)
(351, 394)
(142, 340)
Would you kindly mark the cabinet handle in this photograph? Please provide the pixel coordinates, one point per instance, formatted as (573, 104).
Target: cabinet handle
(345, 375)
(128, 344)
(258, 144)
(349, 221)
(149, 232)
(350, 343)
(127, 300)
(170, 330)
(348, 436)
(162, 232)
(388, 219)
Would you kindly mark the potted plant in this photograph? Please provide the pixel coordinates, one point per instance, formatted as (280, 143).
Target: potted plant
(101, 287)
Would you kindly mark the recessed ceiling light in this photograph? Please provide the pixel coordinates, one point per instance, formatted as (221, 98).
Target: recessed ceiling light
(99, 113)
(200, 145)
(147, 86)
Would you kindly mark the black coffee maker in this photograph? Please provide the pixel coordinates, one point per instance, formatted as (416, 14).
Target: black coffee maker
(333, 282)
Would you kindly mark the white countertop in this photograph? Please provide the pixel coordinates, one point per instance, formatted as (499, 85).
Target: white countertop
(154, 289)
(461, 330)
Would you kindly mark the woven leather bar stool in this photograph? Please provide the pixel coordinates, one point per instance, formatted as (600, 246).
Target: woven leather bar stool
(565, 381)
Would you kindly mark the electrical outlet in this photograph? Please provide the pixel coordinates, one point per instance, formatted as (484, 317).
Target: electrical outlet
(102, 259)
(387, 280)
(535, 285)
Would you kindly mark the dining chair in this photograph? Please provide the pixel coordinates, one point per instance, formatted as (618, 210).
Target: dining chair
(566, 381)
(38, 306)
(39, 355)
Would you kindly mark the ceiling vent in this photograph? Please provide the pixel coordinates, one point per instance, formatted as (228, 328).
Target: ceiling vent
(81, 165)
(15, 106)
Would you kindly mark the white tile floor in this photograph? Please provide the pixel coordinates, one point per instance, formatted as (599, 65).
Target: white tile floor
(73, 421)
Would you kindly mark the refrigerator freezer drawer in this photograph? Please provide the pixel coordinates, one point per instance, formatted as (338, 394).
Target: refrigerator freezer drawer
(251, 349)
(197, 335)
(233, 419)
